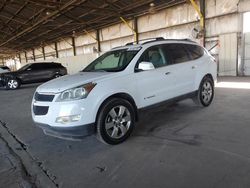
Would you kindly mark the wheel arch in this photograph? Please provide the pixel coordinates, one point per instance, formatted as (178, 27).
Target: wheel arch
(209, 76)
(121, 95)
(19, 79)
(7, 78)
(198, 82)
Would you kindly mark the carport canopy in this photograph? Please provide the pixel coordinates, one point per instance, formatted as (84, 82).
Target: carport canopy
(26, 24)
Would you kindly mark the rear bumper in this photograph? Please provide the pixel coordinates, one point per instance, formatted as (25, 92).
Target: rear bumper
(68, 133)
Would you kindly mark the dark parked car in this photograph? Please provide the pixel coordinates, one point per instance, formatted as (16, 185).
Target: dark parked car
(32, 73)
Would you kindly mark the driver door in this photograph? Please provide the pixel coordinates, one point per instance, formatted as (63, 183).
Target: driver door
(156, 85)
(34, 73)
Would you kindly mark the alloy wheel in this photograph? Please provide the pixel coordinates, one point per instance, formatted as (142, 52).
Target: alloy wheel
(117, 122)
(207, 92)
(12, 84)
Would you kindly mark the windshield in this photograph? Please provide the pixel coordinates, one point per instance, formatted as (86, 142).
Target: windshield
(24, 67)
(113, 61)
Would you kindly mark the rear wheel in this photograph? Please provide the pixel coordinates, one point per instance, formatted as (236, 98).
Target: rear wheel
(205, 93)
(13, 83)
(115, 121)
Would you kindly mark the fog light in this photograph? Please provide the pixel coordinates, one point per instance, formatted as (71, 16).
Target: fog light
(68, 119)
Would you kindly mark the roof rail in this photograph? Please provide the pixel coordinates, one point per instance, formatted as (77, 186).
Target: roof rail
(185, 39)
(147, 40)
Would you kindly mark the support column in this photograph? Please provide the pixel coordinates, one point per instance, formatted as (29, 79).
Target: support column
(98, 40)
(25, 53)
(203, 12)
(74, 46)
(43, 53)
(136, 30)
(19, 56)
(130, 27)
(202, 20)
(56, 49)
(34, 56)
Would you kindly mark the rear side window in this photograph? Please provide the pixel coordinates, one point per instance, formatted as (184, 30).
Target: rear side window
(39, 66)
(177, 53)
(35, 66)
(195, 51)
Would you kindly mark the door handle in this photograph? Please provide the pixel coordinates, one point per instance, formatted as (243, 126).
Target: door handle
(194, 67)
(167, 73)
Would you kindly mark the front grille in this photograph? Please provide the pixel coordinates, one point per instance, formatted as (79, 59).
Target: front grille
(44, 97)
(40, 110)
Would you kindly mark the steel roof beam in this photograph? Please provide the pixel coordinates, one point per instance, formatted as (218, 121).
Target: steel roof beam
(70, 21)
(29, 29)
(138, 3)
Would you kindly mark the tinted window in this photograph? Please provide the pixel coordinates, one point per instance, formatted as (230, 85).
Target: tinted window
(176, 53)
(53, 65)
(38, 66)
(195, 51)
(154, 55)
(25, 67)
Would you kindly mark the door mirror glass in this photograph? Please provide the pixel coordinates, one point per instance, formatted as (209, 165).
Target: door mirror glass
(144, 66)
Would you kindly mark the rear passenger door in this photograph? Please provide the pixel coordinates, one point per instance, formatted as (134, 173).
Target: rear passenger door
(196, 52)
(182, 68)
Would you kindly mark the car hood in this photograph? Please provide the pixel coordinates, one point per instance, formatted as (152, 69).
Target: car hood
(3, 71)
(12, 73)
(71, 81)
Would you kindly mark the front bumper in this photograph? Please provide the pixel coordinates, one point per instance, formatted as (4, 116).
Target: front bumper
(68, 133)
(46, 111)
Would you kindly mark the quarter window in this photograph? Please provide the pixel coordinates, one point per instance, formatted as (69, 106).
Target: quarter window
(195, 51)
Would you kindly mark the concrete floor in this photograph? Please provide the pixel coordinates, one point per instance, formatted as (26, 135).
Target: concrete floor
(177, 146)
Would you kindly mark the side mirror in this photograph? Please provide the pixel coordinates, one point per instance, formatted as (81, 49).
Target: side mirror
(144, 66)
(28, 69)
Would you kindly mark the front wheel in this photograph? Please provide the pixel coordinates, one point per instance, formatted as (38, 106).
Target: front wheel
(205, 93)
(13, 84)
(115, 121)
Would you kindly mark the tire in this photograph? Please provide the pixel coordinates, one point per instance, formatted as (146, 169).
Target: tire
(115, 121)
(205, 93)
(13, 84)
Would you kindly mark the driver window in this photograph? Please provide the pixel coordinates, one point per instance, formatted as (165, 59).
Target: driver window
(155, 56)
(29, 68)
(32, 67)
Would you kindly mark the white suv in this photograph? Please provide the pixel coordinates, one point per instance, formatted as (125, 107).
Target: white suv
(105, 97)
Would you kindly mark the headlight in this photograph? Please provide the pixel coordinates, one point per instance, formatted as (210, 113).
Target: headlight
(77, 93)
